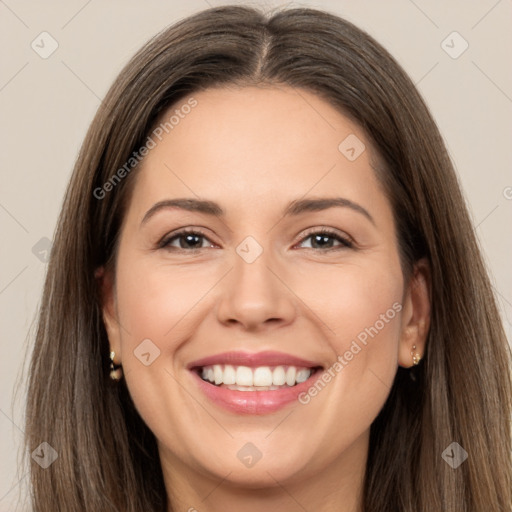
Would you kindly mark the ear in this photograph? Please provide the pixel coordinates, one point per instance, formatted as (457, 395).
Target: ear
(106, 286)
(415, 314)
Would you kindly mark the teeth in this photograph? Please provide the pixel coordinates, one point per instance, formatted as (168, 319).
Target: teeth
(217, 373)
(290, 375)
(278, 376)
(229, 374)
(262, 378)
(244, 376)
(302, 375)
(253, 388)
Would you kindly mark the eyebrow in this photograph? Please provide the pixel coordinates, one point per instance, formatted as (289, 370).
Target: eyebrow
(294, 208)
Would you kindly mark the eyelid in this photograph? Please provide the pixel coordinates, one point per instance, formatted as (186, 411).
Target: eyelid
(346, 241)
(166, 239)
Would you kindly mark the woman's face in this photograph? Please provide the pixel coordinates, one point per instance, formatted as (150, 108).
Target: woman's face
(257, 294)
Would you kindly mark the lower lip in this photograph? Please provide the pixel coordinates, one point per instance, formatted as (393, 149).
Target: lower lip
(253, 402)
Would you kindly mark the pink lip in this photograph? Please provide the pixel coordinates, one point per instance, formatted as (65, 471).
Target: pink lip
(252, 402)
(266, 358)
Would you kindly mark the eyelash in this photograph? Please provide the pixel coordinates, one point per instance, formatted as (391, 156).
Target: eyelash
(345, 241)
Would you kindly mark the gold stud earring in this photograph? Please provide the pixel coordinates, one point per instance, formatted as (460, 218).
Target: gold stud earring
(416, 358)
(116, 370)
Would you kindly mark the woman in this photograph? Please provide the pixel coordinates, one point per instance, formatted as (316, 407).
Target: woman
(265, 289)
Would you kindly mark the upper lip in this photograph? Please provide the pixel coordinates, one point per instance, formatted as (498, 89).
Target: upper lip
(255, 359)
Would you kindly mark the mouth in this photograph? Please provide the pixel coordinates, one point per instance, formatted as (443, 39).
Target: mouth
(261, 378)
(260, 383)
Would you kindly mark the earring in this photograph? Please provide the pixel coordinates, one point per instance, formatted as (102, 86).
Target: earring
(116, 370)
(416, 358)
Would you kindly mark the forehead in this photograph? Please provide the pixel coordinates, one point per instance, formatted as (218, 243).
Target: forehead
(251, 144)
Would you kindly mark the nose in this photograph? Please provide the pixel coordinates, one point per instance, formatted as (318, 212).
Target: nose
(255, 295)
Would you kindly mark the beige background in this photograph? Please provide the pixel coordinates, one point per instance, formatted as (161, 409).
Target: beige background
(47, 104)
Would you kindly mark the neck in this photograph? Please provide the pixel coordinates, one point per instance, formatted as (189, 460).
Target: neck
(335, 486)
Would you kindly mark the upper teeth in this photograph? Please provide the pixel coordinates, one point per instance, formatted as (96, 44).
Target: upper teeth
(260, 376)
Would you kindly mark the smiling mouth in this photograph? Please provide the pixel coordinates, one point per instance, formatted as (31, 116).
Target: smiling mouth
(261, 378)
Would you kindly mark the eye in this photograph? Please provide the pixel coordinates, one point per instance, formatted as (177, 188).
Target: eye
(324, 239)
(187, 239)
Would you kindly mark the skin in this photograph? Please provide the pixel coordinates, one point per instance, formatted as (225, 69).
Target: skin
(253, 150)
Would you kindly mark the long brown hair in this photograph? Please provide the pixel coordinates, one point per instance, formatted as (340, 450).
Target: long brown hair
(461, 392)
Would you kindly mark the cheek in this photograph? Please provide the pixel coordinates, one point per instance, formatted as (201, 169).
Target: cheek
(155, 306)
(360, 305)
(354, 298)
(369, 310)
(154, 299)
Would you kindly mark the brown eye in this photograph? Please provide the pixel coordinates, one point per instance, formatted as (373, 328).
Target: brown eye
(325, 239)
(187, 240)
(193, 240)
